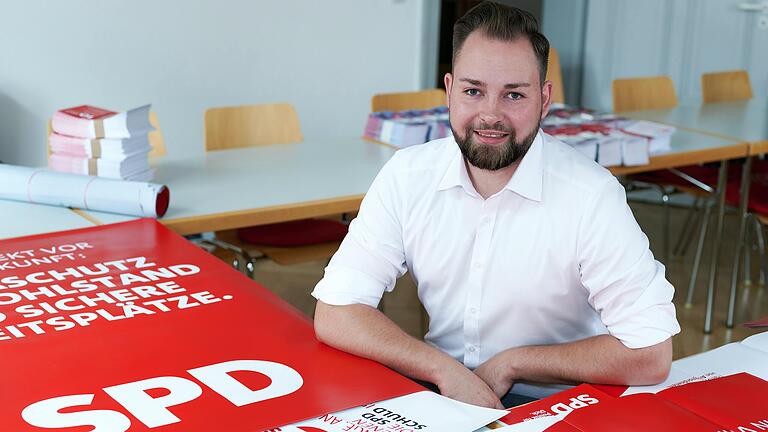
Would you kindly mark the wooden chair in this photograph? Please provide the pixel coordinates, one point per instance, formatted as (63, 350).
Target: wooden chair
(156, 137)
(555, 74)
(257, 125)
(424, 99)
(635, 94)
(725, 86)
(251, 125)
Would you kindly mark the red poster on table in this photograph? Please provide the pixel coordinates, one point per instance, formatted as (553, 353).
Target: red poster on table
(731, 403)
(129, 327)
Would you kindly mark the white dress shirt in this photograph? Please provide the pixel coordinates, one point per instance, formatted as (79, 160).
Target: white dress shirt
(554, 257)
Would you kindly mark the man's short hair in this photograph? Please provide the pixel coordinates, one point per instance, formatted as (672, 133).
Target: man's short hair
(504, 23)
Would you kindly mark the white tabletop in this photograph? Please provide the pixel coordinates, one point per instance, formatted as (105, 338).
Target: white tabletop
(217, 185)
(19, 219)
(743, 120)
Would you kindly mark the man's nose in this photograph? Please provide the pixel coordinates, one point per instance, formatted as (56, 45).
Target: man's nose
(489, 111)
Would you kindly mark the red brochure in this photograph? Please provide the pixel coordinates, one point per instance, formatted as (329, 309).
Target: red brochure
(129, 327)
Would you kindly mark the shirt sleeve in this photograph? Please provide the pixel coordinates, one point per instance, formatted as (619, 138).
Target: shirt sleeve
(626, 285)
(371, 257)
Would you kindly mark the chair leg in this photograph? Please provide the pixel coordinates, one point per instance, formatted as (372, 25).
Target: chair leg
(761, 250)
(665, 209)
(748, 255)
(735, 271)
(699, 252)
(692, 220)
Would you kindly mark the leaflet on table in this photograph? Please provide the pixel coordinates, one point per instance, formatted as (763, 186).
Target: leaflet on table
(90, 122)
(131, 327)
(106, 148)
(40, 186)
(659, 135)
(735, 402)
(424, 411)
(407, 128)
(122, 168)
(757, 341)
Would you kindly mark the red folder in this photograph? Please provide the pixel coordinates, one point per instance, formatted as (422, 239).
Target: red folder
(131, 327)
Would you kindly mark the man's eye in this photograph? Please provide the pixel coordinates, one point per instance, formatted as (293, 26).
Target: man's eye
(515, 95)
(472, 92)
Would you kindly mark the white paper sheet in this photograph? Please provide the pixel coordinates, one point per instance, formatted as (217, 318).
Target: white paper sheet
(423, 411)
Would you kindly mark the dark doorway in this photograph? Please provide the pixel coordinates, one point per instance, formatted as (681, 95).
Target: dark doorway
(450, 11)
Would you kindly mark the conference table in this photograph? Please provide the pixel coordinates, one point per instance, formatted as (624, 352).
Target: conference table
(24, 219)
(743, 121)
(236, 188)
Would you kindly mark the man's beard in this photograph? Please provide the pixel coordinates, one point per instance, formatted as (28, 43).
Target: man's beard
(493, 157)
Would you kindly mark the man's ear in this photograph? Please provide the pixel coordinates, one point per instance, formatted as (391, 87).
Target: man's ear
(546, 98)
(448, 80)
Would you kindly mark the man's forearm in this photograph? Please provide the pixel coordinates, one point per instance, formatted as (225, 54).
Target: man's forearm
(366, 332)
(600, 359)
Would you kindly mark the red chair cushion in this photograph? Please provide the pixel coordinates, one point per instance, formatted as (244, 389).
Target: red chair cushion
(705, 174)
(295, 233)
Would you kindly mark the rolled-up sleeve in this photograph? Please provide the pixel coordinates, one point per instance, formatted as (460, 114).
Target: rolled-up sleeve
(371, 257)
(626, 285)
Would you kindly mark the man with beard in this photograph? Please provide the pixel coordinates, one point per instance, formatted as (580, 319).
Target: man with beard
(527, 258)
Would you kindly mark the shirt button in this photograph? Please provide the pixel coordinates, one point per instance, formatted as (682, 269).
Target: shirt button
(473, 310)
(471, 349)
(478, 265)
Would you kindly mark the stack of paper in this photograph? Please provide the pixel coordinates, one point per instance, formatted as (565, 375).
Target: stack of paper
(407, 128)
(607, 139)
(95, 141)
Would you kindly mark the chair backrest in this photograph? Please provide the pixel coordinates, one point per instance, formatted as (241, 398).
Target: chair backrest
(251, 125)
(555, 74)
(156, 137)
(634, 94)
(424, 99)
(726, 86)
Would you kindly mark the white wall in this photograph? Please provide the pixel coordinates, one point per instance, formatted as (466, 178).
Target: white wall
(562, 22)
(679, 38)
(326, 57)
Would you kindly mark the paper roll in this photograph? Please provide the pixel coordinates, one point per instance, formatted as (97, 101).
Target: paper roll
(40, 186)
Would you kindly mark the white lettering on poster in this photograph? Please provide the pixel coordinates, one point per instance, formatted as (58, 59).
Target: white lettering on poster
(153, 411)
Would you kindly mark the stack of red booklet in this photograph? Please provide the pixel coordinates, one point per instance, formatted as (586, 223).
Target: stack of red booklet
(731, 403)
(95, 141)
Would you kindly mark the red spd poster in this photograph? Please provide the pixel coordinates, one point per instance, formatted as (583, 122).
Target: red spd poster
(129, 327)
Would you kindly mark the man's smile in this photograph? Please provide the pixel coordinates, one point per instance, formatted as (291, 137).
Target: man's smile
(491, 136)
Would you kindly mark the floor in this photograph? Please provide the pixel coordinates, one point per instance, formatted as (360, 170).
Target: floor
(294, 283)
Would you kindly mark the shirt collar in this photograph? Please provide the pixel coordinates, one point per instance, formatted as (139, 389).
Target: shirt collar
(526, 181)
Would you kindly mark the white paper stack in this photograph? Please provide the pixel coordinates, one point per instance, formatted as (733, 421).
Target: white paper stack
(95, 141)
(659, 136)
(407, 128)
